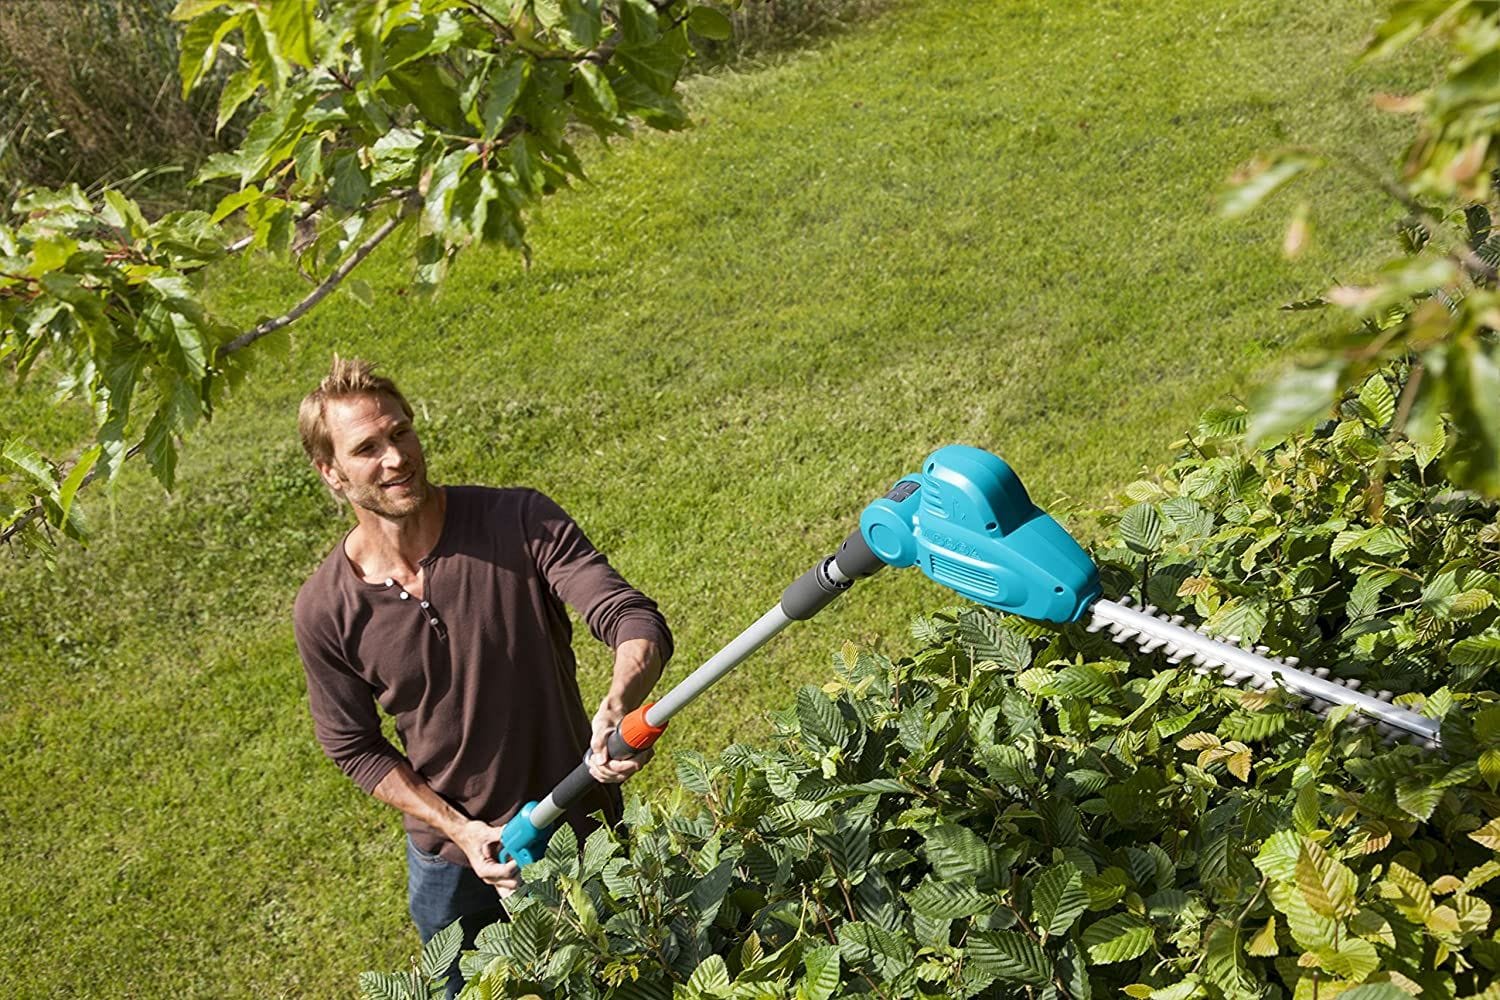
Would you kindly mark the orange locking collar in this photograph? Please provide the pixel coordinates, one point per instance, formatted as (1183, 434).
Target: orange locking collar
(635, 730)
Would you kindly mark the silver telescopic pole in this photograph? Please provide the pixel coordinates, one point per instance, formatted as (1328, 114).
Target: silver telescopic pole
(548, 811)
(732, 655)
(805, 597)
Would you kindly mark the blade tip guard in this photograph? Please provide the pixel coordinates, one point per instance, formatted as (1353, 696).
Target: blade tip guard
(968, 523)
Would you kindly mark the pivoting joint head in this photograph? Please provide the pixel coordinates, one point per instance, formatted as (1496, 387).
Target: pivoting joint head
(967, 522)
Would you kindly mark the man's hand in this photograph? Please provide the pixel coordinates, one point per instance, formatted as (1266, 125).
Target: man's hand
(606, 770)
(478, 842)
(637, 666)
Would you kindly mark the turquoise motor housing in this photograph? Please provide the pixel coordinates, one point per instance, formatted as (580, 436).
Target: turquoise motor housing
(967, 522)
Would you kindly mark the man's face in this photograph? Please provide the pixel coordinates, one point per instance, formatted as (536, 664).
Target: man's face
(377, 459)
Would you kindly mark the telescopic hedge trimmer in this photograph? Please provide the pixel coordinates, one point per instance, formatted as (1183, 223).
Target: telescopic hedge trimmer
(966, 521)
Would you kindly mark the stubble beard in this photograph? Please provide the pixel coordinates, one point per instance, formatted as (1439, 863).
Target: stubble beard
(375, 500)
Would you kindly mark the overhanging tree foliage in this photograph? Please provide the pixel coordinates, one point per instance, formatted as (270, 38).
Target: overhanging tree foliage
(1435, 299)
(449, 118)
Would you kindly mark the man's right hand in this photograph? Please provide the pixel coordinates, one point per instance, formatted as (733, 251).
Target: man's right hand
(479, 842)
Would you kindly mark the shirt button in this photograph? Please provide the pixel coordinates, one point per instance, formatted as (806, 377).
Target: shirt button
(433, 620)
(424, 604)
(389, 581)
(404, 595)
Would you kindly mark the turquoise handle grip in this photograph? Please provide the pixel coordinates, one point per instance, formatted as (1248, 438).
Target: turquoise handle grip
(522, 842)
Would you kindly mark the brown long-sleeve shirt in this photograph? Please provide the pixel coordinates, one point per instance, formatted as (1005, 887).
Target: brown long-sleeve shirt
(479, 675)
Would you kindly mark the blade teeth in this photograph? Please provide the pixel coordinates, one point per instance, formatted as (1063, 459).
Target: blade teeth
(1205, 663)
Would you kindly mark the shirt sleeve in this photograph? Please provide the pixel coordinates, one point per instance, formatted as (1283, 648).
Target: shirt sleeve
(345, 720)
(582, 577)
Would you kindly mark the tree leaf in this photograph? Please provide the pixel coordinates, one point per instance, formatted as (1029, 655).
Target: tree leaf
(37, 468)
(1329, 887)
(1011, 956)
(1375, 991)
(1279, 854)
(1141, 528)
(861, 942)
(820, 717)
(947, 900)
(441, 950)
(1476, 650)
(1293, 401)
(291, 22)
(1198, 741)
(990, 640)
(1410, 895)
(598, 88)
(1119, 937)
(821, 973)
(503, 92)
(692, 771)
(711, 976)
(1473, 382)
(1263, 945)
(957, 852)
(1488, 835)
(75, 478)
(1376, 397)
(711, 23)
(1245, 617)
(1264, 180)
(1058, 898)
(387, 986)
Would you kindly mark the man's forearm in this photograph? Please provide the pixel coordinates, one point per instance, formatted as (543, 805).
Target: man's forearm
(409, 792)
(637, 666)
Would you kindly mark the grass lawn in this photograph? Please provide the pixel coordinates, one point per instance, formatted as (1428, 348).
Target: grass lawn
(988, 223)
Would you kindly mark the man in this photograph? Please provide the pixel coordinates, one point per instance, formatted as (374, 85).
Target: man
(446, 606)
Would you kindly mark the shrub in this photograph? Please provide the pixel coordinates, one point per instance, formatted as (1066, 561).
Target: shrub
(1025, 810)
(89, 93)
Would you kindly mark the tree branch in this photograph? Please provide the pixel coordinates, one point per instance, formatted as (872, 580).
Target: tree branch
(311, 210)
(1472, 262)
(36, 510)
(322, 291)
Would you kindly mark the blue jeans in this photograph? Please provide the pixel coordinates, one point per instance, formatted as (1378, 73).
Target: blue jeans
(441, 892)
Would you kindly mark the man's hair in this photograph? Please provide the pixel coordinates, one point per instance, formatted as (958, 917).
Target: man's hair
(347, 378)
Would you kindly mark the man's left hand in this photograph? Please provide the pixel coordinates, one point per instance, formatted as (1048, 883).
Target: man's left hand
(606, 770)
(637, 666)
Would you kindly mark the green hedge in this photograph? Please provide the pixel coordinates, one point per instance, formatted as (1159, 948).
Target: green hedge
(1018, 810)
